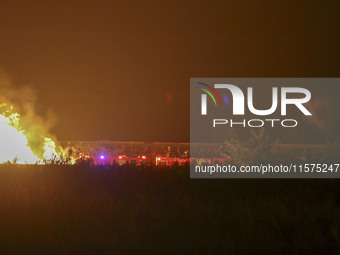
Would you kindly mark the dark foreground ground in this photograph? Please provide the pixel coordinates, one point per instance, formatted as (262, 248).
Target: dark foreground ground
(84, 210)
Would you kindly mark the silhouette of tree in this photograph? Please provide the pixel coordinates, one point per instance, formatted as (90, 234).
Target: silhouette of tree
(257, 149)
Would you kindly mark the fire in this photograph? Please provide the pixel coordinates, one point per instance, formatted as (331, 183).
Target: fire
(17, 144)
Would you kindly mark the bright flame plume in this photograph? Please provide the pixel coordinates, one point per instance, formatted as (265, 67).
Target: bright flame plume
(14, 141)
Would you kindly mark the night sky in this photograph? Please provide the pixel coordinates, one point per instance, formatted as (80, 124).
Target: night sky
(120, 70)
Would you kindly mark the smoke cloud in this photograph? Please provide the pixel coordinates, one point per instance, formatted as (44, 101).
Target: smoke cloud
(322, 109)
(23, 99)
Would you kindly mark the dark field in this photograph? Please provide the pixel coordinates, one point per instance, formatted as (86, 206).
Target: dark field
(143, 210)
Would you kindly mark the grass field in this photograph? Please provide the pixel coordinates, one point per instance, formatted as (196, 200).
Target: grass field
(134, 210)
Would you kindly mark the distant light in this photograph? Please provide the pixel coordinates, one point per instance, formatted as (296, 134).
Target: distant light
(102, 157)
(143, 157)
(120, 157)
(159, 158)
